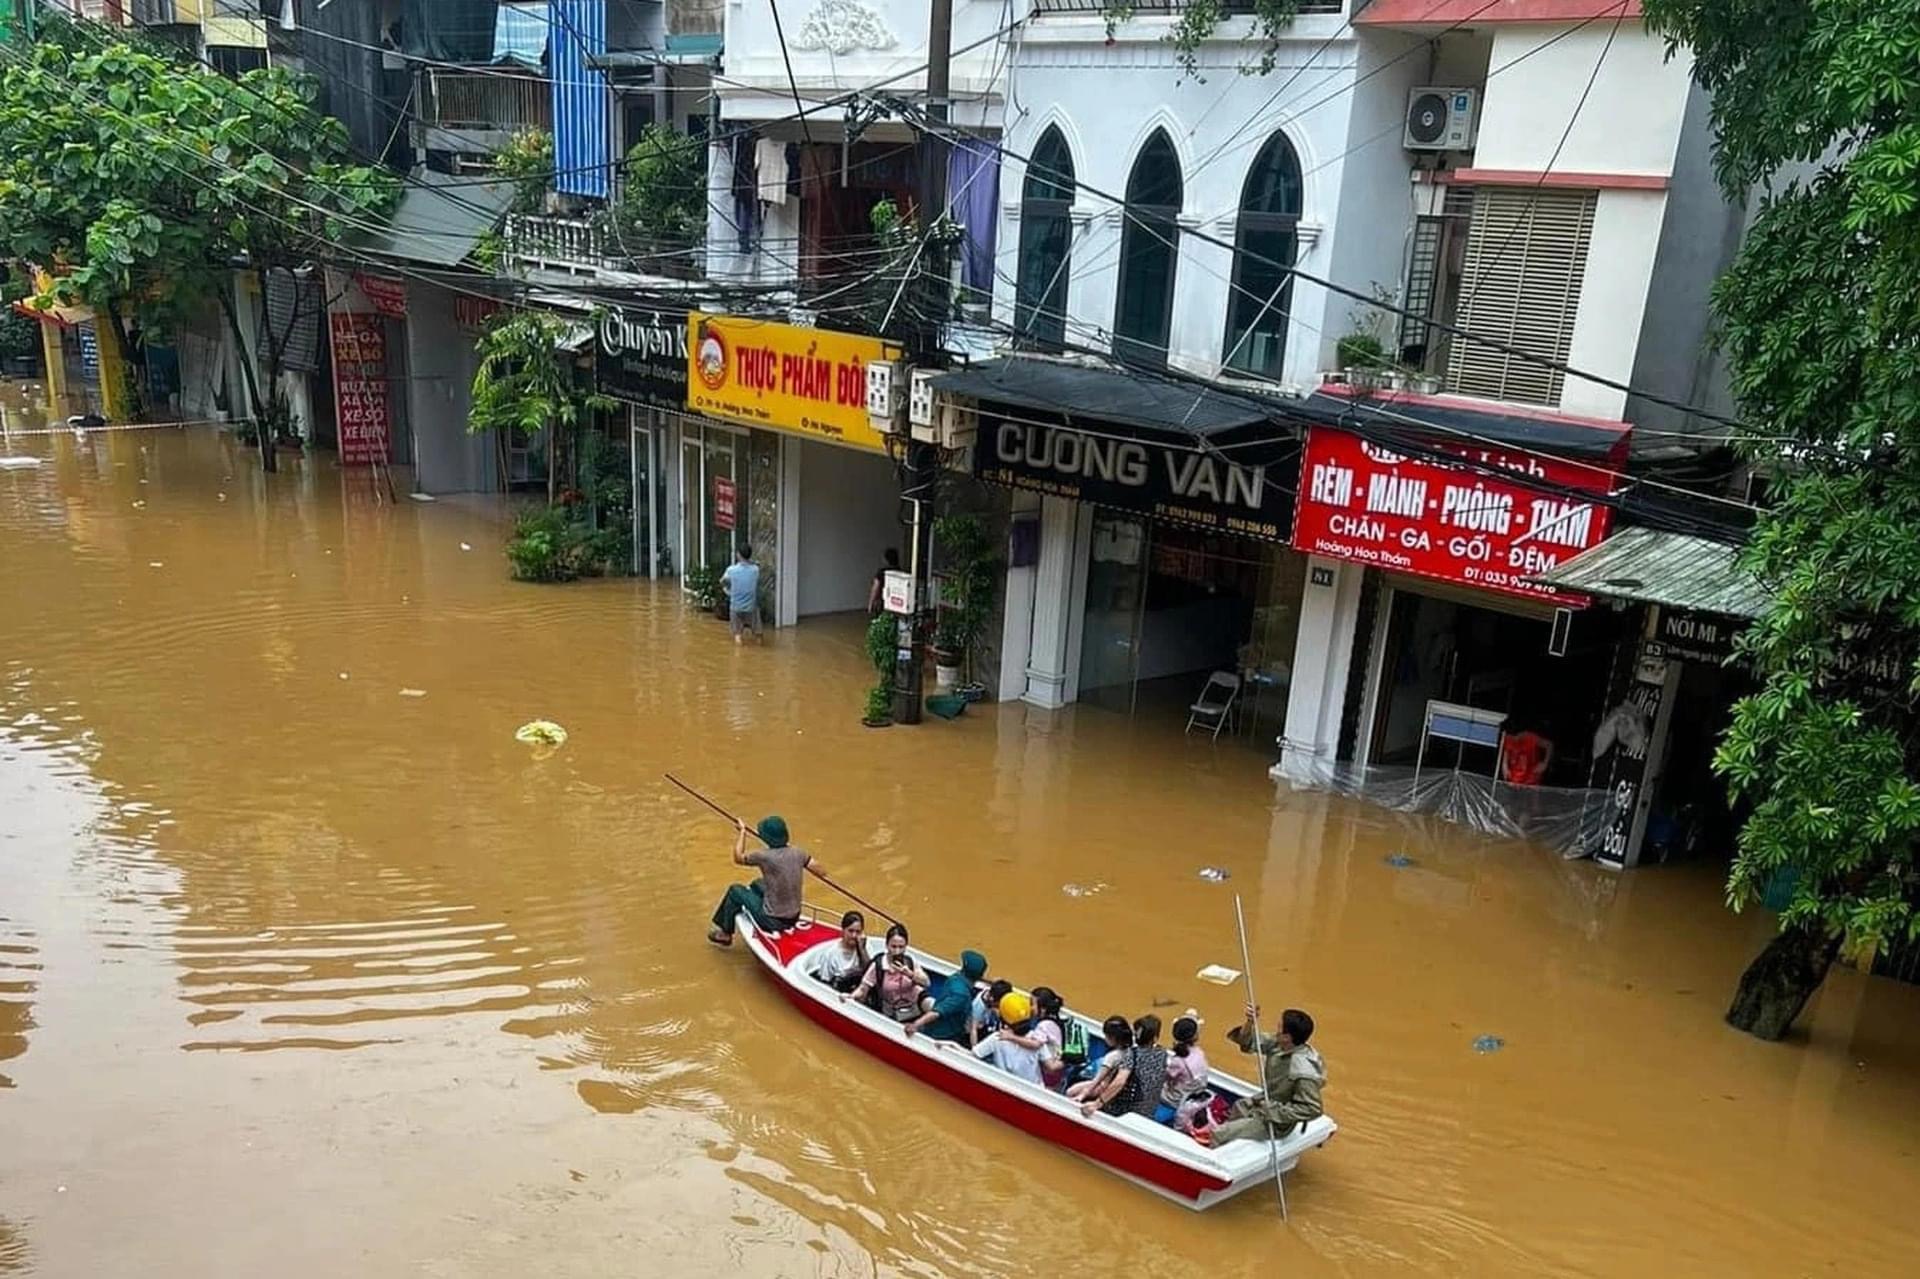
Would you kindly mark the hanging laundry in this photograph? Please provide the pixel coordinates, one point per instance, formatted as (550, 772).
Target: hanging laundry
(743, 189)
(770, 162)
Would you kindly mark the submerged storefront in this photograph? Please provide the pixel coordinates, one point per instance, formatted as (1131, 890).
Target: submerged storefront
(1148, 550)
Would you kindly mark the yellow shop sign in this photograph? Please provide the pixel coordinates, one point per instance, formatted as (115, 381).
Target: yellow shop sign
(783, 377)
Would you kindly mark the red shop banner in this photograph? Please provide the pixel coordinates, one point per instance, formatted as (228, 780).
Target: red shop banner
(723, 502)
(1362, 502)
(360, 387)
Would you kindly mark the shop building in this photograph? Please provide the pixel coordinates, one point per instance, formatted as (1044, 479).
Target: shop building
(749, 432)
(1148, 540)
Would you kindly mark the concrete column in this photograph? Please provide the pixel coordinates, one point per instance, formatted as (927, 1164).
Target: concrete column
(55, 353)
(1322, 654)
(116, 386)
(786, 579)
(1016, 630)
(1050, 659)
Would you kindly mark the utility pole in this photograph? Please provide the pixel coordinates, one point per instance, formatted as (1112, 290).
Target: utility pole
(926, 319)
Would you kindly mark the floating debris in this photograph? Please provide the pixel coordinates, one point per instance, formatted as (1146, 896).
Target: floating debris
(343, 675)
(413, 692)
(466, 546)
(541, 732)
(1489, 1044)
(1215, 874)
(19, 463)
(421, 497)
(1219, 975)
(1083, 890)
(156, 564)
(1399, 861)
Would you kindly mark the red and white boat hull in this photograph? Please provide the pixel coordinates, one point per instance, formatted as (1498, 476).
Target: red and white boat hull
(1154, 1155)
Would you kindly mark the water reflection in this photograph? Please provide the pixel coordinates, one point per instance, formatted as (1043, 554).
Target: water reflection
(282, 945)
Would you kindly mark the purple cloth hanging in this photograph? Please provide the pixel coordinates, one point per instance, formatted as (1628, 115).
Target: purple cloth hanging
(973, 200)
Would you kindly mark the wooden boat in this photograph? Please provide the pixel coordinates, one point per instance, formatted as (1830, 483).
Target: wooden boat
(1161, 1158)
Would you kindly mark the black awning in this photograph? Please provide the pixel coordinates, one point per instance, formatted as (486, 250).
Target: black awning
(1546, 432)
(1086, 395)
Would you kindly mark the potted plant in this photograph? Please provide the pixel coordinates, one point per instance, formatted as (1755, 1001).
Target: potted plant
(968, 570)
(703, 588)
(950, 640)
(883, 651)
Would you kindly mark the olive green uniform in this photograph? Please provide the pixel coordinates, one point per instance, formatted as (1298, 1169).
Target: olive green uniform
(1294, 1077)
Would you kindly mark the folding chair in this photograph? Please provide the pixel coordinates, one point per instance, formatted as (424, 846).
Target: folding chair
(1215, 704)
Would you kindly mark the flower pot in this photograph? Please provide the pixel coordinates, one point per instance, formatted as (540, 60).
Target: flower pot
(973, 691)
(878, 723)
(946, 678)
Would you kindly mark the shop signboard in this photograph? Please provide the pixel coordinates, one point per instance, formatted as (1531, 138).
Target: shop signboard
(1172, 480)
(1698, 637)
(471, 312)
(896, 592)
(387, 295)
(1360, 501)
(723, 502)
(1628, 779)
(641, 356)
(359, 341)
(811, 382)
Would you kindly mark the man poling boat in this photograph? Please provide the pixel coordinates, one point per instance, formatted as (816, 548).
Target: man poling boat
(824, 971)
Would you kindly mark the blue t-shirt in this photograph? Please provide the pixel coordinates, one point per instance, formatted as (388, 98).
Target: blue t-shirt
(951, 1007)
(743, 587)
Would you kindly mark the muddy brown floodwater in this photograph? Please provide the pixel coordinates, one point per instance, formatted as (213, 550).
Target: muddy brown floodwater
(304, 976)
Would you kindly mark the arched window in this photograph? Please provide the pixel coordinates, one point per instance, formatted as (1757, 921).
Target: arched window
(1046, 239)
(1149, 253)
(1264, 245)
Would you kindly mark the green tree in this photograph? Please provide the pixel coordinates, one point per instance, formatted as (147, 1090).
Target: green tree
(138, 179)
(1196, 21)
(525, 385)
(1820, 319)
(527, 161)
(662, 208)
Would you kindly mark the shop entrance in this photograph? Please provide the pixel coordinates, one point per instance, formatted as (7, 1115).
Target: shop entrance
(713, 481)
(1168, 605)
(1441, 648)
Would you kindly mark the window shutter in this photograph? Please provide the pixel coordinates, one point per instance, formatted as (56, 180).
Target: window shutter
(1520, 287)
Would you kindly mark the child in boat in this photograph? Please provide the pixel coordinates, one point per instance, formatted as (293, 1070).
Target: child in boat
(1186, 1092)
(842, 964)
(1046, 1037)
(1009, 1051)
(983, 1020)
(892, 982)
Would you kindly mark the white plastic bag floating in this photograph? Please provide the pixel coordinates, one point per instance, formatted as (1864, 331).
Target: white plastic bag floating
(1219, 974)
(541, 732)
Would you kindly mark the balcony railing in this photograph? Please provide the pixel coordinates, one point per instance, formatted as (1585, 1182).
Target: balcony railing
(472, 100)
(585, 246)
(1232, 8)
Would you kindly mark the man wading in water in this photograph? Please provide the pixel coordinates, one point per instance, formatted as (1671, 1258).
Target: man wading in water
(774, 899)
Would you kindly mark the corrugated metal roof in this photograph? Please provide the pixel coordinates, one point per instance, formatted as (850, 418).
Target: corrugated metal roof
(1657, 567)
(1085, 393)
(439, 219)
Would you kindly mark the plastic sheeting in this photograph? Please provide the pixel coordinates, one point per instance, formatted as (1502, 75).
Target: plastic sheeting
(1568, 820)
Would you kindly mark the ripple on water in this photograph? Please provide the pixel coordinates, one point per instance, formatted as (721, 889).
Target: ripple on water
(19, 978)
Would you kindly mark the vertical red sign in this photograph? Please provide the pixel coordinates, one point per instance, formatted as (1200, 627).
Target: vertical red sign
(360, 387)
(723, 495)
(1360, 501)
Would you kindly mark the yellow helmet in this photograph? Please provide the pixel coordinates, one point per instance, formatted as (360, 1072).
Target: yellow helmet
(1015, 1008)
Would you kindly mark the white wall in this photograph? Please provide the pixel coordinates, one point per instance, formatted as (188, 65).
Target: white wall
(757, 88)
(849, 516)
(1631, 120)
(1613, 299)
(1108, 99)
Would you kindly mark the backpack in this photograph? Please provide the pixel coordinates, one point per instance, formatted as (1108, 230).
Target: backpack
(1073, 1042)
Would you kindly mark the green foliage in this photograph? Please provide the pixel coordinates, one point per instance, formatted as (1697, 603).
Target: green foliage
(524, 383)
(969, 569)
(527, 161)
(1361, 351)
(662, 207)
(549, 544)
(1821, 324)
(883, 646)
(702, 584)
(879, 704)
(19, 336)
(1197, 21)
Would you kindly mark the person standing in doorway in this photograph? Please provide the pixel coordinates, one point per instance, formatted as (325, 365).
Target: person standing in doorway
(890, 562)
(742, 580)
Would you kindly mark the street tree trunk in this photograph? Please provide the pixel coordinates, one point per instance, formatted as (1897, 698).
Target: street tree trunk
(262, 423)
(1780, 981)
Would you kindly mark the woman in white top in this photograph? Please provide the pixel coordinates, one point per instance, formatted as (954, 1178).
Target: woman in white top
(841, 964)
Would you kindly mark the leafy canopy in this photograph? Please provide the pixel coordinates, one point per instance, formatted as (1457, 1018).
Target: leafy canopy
(1820, 317)
(135, 175)
(524, 383)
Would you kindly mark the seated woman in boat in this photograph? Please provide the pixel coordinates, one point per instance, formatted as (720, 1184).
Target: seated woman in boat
(774, 899)
(1149, 1065)
(1110, 1089)
(983, 1018)
(893, 982)
(1007, 1048)
(952, 1002)
(1186, 1093)
(842, 964)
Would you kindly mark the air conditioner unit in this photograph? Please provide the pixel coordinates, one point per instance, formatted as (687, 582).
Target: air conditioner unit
(886, 397)
(1441, 119)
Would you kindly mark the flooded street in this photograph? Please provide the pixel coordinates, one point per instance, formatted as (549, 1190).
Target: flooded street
(306, 965)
